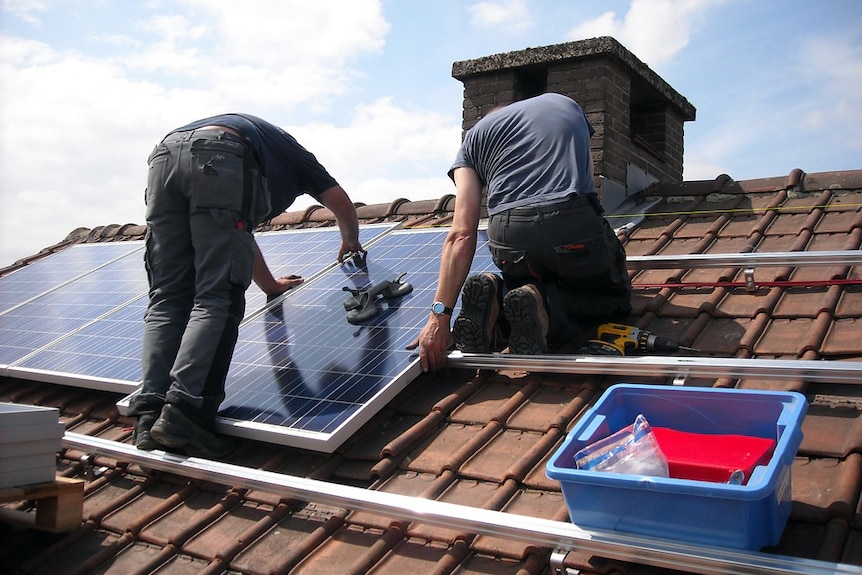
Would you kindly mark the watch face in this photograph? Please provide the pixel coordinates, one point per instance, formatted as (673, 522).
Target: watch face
(438, 308)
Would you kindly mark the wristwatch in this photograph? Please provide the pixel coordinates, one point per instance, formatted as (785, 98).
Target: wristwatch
(439, 308)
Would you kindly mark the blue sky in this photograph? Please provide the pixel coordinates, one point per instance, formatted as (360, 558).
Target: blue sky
(88, 87)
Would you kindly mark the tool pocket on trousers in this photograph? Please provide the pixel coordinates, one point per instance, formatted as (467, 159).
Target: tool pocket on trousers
(510, 261)
(217, 173)
(240, 246)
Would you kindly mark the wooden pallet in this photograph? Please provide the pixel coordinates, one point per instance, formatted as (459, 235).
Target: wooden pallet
(59, 505)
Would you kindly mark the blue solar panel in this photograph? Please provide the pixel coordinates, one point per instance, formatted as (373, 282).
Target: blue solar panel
(54, 270)
(106, 352)
(57, 313)
(302, 375)
(103, 354)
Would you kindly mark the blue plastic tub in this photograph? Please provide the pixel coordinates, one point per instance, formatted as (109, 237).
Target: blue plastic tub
(748, 516)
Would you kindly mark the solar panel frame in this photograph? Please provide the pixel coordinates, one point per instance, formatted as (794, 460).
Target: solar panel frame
(352, 384)
(56, 314)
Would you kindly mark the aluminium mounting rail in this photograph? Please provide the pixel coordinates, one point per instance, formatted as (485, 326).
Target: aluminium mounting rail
(541, 532)
(748, 260)
(659, 365)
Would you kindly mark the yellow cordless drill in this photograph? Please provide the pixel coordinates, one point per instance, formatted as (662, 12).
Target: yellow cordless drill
(621, 339)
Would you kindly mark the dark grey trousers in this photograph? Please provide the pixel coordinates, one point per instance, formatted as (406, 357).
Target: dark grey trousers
(199, 258)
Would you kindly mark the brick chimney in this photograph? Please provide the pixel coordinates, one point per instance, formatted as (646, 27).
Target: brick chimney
(638, 117)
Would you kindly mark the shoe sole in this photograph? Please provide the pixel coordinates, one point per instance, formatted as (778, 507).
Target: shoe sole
(148, 444)
(470, 328)
(521, 312)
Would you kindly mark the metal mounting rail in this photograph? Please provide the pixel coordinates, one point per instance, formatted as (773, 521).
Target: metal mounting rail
(670, 366)
(541, 532)
(833, 257)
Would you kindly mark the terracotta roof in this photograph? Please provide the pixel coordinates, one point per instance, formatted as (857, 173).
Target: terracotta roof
(483, 438)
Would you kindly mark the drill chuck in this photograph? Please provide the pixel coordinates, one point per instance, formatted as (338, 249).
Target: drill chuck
(659, 343)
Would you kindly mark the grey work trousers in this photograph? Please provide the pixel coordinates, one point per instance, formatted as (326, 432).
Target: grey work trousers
(571, 253)
(199, 258)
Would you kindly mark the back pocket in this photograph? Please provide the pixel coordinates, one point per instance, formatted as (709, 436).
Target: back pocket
(583, 258)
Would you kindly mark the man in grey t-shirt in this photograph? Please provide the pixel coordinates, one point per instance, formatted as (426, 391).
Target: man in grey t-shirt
(561, 264)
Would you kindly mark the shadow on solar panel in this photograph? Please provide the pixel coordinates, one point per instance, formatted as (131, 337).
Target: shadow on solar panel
(306, 373)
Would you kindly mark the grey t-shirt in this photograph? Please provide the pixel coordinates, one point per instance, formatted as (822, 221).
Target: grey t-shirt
(530, 152)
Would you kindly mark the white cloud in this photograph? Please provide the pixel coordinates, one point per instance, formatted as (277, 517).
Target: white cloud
(385, 143)
(654, 30)
(272, 33)
(77, 128)
(829, 66)
(511, 15)
(28, 11)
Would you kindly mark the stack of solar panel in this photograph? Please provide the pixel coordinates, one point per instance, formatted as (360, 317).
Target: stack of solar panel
(30, 438)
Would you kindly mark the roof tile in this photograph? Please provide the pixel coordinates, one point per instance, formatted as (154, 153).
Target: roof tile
(842, 480)
(832, 431)
(484, 437)
(821, 541)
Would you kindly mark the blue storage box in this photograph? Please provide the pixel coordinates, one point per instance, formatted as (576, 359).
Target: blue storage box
(748, 516)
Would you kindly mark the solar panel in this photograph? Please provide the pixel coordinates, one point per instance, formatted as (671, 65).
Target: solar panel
(46, 274)
(106, 352)
(40, 321)
(303, 375)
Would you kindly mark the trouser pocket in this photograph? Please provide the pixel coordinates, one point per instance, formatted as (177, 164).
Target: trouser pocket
(217, 174)
(510, 261)
(235, 249)
(595, 260)
(582, 257)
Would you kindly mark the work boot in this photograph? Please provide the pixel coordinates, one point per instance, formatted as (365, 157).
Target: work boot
(524, 308)
(176, 432)
(141, 435)
(474, 328)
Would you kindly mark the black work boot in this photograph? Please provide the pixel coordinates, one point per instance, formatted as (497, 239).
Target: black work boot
(474, 328)
(141, 435)
(525, 310)
(176, 431)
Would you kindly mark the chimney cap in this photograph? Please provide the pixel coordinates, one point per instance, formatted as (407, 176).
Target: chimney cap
(568, 51)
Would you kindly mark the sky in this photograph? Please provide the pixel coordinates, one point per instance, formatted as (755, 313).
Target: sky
(88, 87)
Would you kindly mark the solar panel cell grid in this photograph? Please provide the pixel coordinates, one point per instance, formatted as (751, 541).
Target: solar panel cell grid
(81, 338)
(30, 281)
(64, 310)
(301, 368)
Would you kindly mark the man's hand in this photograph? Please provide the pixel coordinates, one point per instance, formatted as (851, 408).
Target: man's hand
(347, 251)
(433, 342)
(283, 284)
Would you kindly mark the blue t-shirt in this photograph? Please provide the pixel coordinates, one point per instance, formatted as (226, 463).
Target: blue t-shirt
(288, 168)
(530, 152)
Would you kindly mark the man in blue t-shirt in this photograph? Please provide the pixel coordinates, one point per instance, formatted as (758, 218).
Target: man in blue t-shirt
(210, 183)
(561, 263)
